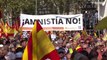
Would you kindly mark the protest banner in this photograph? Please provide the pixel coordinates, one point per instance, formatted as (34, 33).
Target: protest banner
(52, 22)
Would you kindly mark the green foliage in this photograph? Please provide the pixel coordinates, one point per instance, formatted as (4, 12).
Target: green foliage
(65, 6)
(102, 24)
(16, 6)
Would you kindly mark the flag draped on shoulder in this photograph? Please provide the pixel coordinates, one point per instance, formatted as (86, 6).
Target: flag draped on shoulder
(39, 46)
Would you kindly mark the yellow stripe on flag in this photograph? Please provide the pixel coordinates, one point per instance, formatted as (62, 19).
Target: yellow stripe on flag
(7, 29)
(43, 42)
(39, 45)
(77, 36)
(84, 34)
(78, 47)
(25, 54)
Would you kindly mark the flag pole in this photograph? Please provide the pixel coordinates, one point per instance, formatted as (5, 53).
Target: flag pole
(35, 7)
(98, 10)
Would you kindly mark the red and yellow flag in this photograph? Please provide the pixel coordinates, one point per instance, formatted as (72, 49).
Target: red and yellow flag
(77, 36)
(84, 34)
(39, 46)
(1, 23)
(9, 31)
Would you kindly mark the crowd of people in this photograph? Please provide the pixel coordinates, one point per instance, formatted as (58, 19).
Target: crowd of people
(70, 45)
(83, 48)
(12, 48)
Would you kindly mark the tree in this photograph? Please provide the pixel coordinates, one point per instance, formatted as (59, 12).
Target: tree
(13, 8)
(66, 6)
(60, 5)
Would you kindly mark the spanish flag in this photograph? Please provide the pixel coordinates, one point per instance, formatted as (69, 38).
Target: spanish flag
(39, 46)
(77, 36)
(84, 34)
(8, 30)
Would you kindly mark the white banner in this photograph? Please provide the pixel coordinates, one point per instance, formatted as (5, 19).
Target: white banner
(52, 22)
